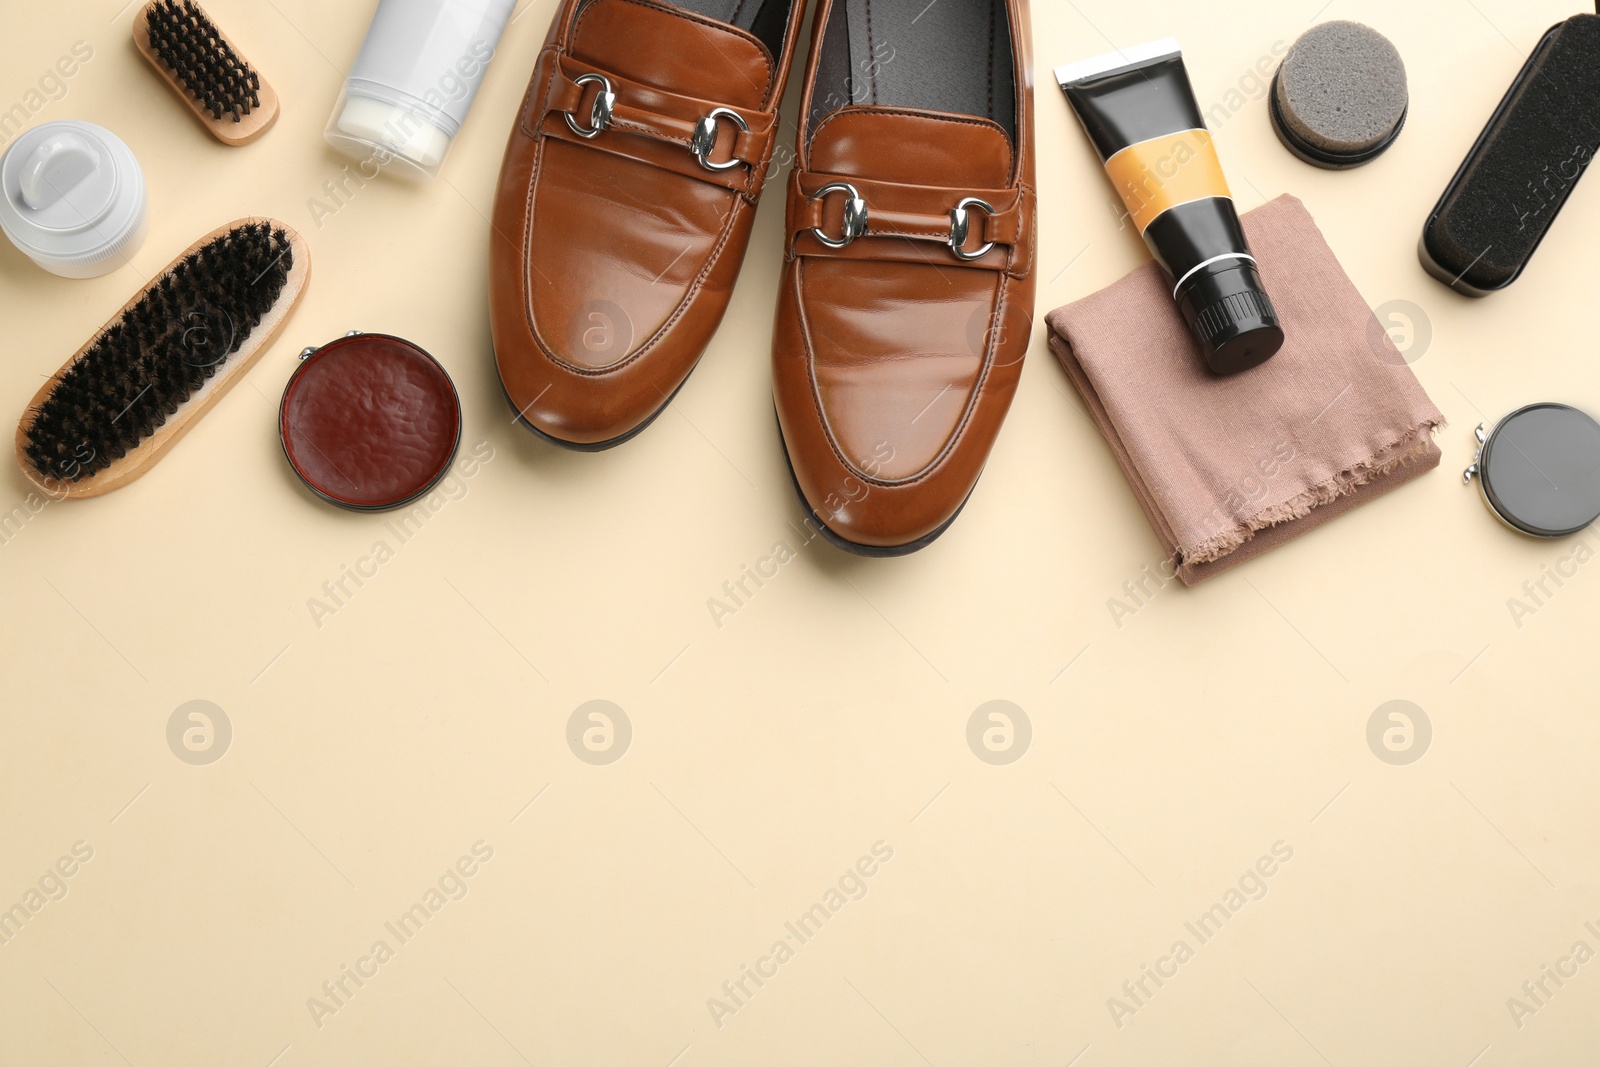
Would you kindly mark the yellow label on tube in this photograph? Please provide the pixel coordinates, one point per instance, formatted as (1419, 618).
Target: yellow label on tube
(1157, 175)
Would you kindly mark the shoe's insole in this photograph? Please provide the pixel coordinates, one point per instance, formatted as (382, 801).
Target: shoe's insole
(765, 19)
(950, 55)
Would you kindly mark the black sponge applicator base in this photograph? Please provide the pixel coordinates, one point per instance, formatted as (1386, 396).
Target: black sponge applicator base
(1307, 152)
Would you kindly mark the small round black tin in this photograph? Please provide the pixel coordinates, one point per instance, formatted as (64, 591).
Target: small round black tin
(1539, 469)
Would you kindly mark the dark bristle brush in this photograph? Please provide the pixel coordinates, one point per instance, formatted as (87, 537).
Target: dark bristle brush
(194, 57)
(1524, 166)
(132, 392)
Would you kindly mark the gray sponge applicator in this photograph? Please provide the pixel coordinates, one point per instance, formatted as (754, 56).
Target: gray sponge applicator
(1339, 99)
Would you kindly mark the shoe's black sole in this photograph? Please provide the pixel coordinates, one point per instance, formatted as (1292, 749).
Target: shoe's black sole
(598, 446)
(852, 547)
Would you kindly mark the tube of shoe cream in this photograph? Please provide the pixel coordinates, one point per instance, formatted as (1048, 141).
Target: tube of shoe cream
(1139, 109)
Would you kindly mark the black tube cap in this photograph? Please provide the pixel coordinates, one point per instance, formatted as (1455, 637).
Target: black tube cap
(1231, 316)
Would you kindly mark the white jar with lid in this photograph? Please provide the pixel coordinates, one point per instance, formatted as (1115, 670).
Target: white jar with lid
(73, 199)
(414, 81)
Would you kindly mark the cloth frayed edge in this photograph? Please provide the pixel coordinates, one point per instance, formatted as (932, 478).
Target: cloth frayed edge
(1402, 451)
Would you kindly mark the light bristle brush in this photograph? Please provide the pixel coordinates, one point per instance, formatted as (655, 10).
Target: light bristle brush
(129, 394)
(194, 57)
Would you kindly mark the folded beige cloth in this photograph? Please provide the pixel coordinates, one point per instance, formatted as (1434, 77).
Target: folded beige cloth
(1227, 468)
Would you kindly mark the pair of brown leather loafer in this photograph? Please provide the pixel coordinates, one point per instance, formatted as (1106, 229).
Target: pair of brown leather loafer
(625, 206)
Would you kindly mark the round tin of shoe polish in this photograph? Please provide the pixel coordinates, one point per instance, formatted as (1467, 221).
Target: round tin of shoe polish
(1539, 469)
(369, 422)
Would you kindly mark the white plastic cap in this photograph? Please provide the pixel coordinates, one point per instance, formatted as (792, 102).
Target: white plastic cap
(388, 136)
(72, 198)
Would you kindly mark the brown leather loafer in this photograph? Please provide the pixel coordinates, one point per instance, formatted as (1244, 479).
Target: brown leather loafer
(625, 204)
(907, 298)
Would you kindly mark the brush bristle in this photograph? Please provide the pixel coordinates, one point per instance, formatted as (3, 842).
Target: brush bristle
(159, 352)
(192, 48)
(1516, 181)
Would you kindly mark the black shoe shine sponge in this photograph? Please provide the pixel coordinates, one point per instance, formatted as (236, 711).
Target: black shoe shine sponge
(1525, 164)
(1339, 99)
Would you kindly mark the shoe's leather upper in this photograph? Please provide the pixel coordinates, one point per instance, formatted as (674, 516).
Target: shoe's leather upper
(613, 255)
(895, 358)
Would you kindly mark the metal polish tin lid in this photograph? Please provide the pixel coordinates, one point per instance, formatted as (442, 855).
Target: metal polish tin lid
(73, 199)
(370, 422)
(1539, 469)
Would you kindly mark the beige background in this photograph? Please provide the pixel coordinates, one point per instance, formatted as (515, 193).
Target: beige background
(1167, 755)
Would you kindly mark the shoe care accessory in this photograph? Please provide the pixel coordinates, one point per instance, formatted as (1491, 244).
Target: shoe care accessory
(411, 86)
(210, 75)
(1139, 110)
(1525, 164)
(1539, 469)
(72, 198)
(369, 422)
(1339, 99)
(1228, 468)
(168, 356)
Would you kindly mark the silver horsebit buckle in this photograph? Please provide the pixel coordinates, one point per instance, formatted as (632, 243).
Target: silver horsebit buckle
(857, 215)
(961, 227)
(705, 138)
(701, 143)
(605, 104)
